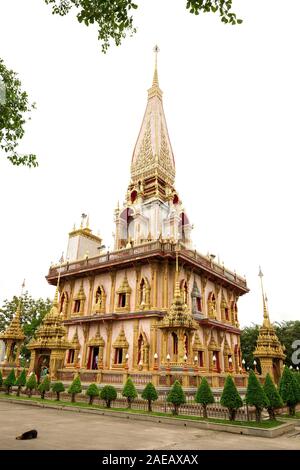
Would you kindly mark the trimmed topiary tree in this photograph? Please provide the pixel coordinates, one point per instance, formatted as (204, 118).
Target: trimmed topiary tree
(31, 384)
(176, 396)
(108, 393)
(58, 388)
(289, 390)
(256, 396)
(1, 379)
(230, 398)
(204, 396)
(150, 394)
(75, 388)
(129, 391)
(44, 387)
(275, 400)
(10, 381)
(21, 382)
(92, 392)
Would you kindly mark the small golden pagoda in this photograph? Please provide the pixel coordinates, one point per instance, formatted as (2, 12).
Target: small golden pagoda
(49, 347)
(13, 338)
(178, 325)
(269, 350)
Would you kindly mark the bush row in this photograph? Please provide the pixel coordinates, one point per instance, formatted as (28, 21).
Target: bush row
(266, 396)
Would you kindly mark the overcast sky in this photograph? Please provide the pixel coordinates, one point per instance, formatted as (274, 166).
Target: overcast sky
(231, 99)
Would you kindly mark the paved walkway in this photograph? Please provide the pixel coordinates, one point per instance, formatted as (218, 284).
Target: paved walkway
(71, 430)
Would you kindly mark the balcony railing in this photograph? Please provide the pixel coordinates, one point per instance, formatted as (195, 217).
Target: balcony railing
(156, 247)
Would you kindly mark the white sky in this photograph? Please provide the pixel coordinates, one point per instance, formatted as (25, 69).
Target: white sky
(231, 98)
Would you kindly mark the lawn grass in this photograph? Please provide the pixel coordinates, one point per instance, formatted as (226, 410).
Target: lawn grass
(263, 424)
(297, 416)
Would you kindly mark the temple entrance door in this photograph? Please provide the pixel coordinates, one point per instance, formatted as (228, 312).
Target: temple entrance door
(93, 358)
(43, 362)
(276, 370)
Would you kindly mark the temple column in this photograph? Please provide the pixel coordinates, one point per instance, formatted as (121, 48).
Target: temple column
(86, 331)
(204, 303)
(90, 298)
(108, 344)
(112, 291)
(165, 285)
(137, 287)
(70, 306)
(135, 344)
(154, 286)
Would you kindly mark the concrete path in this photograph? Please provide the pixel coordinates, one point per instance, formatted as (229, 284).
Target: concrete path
(71, 430)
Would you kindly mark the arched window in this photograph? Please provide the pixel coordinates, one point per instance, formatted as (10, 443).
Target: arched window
(143, 292)
(175, 343)
(184, 291)
(140, 346)
(98, 296)
(62, 301)
(183, 223)
(186, 344)
(100, 300)
(212, 305)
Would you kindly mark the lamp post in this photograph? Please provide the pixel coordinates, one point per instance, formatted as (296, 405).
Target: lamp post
(185, 360)
(243, 365)
(214, 361)
(254, 364)
(230, 363)
(155, 367)
(141, 364)
(168, 362)
(291, 367)
(126, 363)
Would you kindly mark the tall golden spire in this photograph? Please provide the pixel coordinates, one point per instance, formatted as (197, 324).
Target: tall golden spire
(153, 155)
(155, 90)
(266, 322)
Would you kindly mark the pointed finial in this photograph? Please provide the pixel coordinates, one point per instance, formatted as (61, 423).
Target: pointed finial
(266, 322)
(87, 222)
(83, 217)
(155, 76)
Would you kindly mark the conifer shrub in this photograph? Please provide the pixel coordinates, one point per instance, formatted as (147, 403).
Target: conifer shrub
(75, 388)
(10, 381)
(176, 396)
(230, 398)
(92, 392)
(44, 387)
(21, 382)
(108, 393)
(289, 390)
(31, 384)
(150, 394)
(58, 388)
(129, 391)
(256, 396)
(204, 395)
(275, 400)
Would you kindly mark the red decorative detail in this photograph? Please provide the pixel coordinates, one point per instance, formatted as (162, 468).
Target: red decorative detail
(175, 199)
(133, 196)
